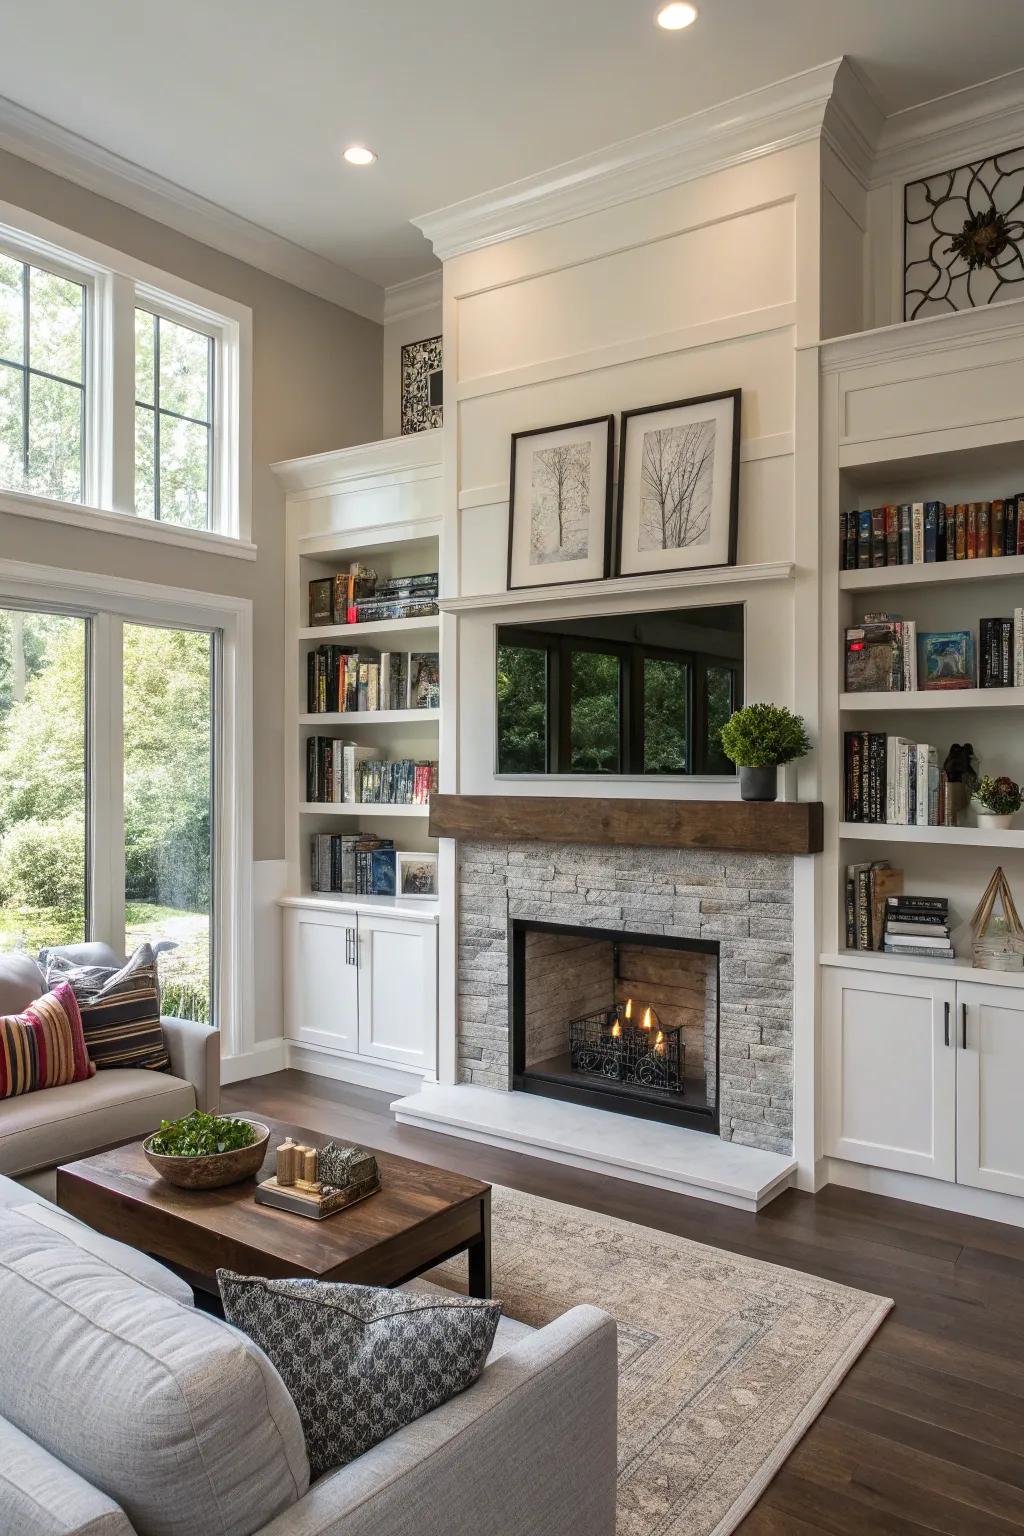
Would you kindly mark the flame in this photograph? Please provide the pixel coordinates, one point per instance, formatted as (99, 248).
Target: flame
(646, 1020)
(629, 1008)
(616, 1030)
(659, 1042)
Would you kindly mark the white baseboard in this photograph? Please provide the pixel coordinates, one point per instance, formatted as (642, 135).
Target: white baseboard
(350, 1069)
(984, 1203)
(266, 1056)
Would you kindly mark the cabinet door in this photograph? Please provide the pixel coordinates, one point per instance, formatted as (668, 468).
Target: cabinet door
(321, 998)
(890, 1075)
(990, 1087)
(398, 991)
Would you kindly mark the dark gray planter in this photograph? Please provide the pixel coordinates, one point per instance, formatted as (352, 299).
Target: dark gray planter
(759, 783)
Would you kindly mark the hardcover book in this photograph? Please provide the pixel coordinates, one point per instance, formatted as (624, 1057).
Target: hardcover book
(946, 659)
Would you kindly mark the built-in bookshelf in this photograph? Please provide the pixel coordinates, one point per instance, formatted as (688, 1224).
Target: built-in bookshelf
(374, 510)
(877, 451)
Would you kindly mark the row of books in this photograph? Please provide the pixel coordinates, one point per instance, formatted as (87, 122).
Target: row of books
(344, 773)
(344, 681)
(360, 596)
(890, 781)
(885, 654)
(879, 916)
(920, 532)
(358, 864)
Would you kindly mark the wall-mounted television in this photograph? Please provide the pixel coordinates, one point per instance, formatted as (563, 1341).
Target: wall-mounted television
(627, 694)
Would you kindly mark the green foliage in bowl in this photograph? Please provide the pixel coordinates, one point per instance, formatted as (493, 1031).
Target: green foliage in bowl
(201, 1135)
(762, 735)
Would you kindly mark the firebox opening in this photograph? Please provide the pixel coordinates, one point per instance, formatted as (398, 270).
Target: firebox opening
(623, 1021)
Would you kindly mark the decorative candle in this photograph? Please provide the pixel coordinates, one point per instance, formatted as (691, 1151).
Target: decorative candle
(309, 1165)
(286, 1162)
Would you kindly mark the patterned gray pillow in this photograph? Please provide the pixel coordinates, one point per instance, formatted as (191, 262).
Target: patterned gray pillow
(358, 1361)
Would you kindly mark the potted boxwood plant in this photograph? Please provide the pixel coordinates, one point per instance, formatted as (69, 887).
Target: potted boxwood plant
(757, 739)
(998, 801)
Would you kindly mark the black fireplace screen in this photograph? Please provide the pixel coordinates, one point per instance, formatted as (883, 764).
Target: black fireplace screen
(609, 1044)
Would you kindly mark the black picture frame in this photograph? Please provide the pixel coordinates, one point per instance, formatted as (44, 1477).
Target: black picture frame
(735, 395)
(608, 422)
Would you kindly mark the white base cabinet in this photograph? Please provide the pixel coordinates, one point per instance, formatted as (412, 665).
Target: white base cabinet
(362, 983)
(924, 1075)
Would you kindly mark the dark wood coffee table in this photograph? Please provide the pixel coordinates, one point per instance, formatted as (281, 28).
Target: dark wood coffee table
(420, 1216)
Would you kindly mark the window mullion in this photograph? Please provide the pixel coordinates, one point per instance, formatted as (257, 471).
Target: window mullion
(106, 843)
(117, 419)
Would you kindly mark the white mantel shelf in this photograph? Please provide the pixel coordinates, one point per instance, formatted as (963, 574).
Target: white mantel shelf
(641, 1151)
(620, 586)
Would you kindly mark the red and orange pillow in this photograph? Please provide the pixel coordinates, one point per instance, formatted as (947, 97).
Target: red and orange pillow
(43, 1047)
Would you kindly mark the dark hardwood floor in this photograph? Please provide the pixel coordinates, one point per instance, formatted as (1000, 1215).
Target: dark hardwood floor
(925, 1434)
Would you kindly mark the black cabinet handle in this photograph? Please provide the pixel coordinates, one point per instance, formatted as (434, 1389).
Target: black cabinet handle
(946, 1010)
(963, 1018)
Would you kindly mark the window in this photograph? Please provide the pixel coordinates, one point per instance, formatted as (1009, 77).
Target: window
(644, 693)
(42, 381)
(173, 421)
(122, 389)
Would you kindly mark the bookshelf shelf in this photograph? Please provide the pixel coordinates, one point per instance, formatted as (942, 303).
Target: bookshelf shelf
(967, 837)
(936, 574)
(359, 809)
(945, 970)
(417, 632)
(933, 699)
(420, 909)
(354, 719)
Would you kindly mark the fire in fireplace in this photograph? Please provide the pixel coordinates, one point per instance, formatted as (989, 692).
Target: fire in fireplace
(622, 1021)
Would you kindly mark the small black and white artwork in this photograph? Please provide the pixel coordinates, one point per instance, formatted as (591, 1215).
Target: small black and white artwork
(422, 385)
(559, 503)
(417, 874)
(963, 237)
(679, 485)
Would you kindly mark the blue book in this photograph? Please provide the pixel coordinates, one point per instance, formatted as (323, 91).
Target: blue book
(864, 540)
(382, 872)
(931, 531)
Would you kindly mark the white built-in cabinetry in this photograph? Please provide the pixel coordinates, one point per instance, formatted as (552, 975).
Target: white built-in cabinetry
(360, 972)
(924, 1076)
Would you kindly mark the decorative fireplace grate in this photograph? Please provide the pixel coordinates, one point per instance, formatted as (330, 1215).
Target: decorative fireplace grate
(607, 1044)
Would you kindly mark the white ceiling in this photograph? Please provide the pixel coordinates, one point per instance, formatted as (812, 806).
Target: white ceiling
(249, 102)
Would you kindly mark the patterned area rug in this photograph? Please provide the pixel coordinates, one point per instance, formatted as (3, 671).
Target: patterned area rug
(724, 1361)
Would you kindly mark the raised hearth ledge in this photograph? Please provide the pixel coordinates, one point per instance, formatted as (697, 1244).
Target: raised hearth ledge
(641, 1151)
(738, 826)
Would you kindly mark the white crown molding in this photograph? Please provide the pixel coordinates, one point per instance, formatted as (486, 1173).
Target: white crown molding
(99, 170)
(853, 122)
(403, 300)
(952, 130)
(391, 456)
(931, 334)
(766, 120)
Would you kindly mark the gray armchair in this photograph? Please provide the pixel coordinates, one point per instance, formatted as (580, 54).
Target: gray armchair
(40, 1130)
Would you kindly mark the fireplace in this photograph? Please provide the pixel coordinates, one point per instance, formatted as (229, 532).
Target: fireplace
(616, 1020)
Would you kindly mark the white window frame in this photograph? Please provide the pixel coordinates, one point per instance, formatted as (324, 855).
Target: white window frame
(115, 286)
(110, 605)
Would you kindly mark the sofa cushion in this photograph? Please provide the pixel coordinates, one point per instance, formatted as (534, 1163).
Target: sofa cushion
(175, 1415)
(40, 1129)
(361, 1362)
(21, 982)
(120, 1008)
(39, 1494)
(128, 1260)
(44, 1046)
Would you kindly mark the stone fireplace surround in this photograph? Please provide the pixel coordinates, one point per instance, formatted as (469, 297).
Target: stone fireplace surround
(742, 900)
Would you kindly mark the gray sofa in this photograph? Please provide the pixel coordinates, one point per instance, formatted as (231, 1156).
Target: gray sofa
(134, 1414)
(40, 1130)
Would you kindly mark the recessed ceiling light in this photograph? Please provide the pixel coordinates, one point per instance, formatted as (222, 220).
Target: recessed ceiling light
(358, 154)
(676, 16)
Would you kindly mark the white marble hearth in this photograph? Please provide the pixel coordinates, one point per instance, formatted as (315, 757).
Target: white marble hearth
(642, 1151)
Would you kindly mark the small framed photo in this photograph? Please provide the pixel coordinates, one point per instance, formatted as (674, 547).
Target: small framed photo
(417, 874)
(679, 485)
(559, 508)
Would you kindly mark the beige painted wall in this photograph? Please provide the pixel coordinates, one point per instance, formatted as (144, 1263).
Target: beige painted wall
(316, 386)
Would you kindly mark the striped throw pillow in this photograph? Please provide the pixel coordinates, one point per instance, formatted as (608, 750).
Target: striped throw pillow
(44, 1047)
(120, 1009)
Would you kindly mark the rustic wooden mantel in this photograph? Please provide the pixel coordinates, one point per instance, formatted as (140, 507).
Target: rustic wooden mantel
(745, 826)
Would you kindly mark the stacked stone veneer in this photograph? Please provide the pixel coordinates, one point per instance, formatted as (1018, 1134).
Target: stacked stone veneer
(744, 901)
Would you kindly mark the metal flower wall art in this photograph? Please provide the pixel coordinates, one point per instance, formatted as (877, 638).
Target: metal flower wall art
(963, 237)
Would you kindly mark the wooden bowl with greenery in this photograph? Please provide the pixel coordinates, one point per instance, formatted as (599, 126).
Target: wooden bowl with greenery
(203, 1151)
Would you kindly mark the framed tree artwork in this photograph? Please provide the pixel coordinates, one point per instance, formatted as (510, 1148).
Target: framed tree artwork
(679, 485)
(560, 492)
